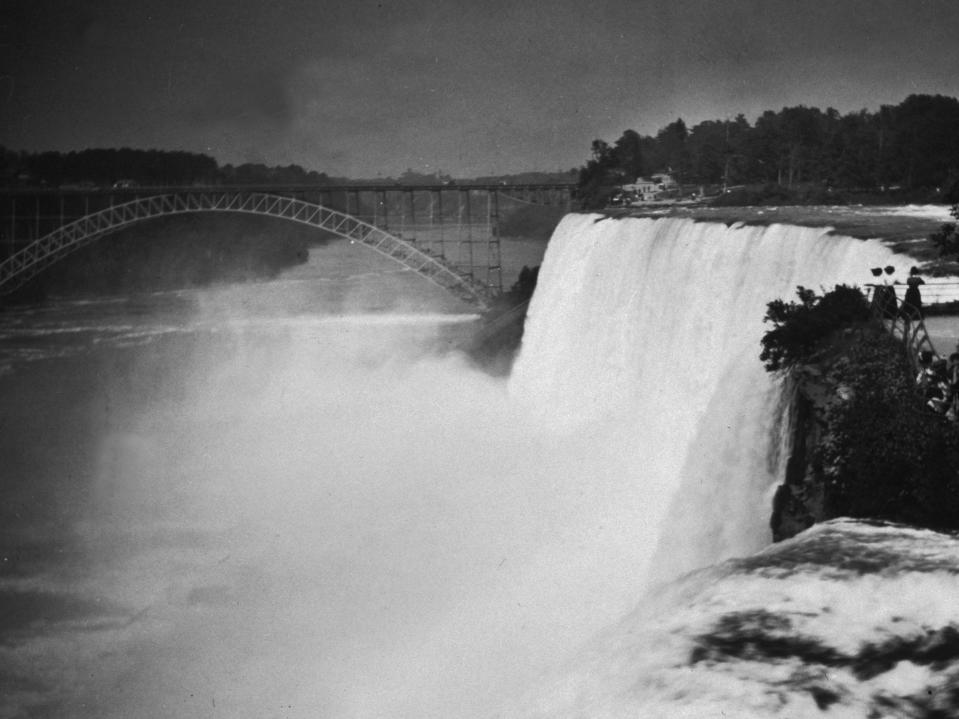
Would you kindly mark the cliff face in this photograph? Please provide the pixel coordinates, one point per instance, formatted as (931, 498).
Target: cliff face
(863, 442)
(498, 339)
(800, 500)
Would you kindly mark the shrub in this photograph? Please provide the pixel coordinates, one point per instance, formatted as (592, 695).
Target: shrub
(801, 329)
(885, 455)
(882, 453)
(947, 239)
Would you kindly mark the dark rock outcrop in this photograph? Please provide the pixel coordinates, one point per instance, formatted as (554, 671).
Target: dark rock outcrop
(799, 500)
(864, 443)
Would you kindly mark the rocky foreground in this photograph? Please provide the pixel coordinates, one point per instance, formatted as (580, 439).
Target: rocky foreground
(848, 619)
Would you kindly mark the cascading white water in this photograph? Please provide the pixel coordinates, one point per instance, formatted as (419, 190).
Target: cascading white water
(652, 327)
(315, 515)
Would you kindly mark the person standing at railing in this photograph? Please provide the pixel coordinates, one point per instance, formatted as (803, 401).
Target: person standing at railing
(912, 303)
(884, 295)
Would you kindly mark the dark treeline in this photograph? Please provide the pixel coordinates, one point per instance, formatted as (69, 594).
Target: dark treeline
(104, 167)
(906, 147)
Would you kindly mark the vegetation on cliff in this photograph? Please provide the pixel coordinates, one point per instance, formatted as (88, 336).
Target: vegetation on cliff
(864, 443)
(802, 329)
(885, 454)
(947, 238)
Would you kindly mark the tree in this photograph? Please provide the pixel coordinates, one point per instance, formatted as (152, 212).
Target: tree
(598, 178)
(927, 142)
(673, 153)
(707, 151)
(914, 144)
(947, 239)
(628, 155)
(716, 150)
(849, 151)
(801, 329)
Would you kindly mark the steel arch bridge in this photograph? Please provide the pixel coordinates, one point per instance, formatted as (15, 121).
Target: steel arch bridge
(27, 262)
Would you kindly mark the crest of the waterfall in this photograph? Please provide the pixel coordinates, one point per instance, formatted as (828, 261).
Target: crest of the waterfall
(654, 326)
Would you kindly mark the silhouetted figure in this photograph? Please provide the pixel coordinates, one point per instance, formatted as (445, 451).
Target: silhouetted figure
(912, 303)
(884, 298)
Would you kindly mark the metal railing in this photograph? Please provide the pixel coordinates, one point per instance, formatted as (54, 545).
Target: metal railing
(903, 321)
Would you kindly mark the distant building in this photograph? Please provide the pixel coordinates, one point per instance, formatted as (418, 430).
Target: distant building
(646, 189)
(666, 182)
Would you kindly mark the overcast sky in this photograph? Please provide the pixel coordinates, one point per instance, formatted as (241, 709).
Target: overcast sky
(363, 88)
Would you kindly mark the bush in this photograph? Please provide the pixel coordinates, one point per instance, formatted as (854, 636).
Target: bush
(885, 455)
(881, 452)
(803, 328)
(947, 239)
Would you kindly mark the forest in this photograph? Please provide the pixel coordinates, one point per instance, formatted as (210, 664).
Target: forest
(909, 147)
(102, 167)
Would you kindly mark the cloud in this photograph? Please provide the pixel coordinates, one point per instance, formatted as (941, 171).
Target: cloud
(472, 87)
(244, 99)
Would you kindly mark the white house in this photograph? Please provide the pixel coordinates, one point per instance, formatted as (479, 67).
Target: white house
(647, 188)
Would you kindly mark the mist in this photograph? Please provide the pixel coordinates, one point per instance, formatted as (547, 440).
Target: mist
(320, 516)
(299, 501)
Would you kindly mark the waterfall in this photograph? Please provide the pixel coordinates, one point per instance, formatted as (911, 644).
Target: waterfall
(652, 328)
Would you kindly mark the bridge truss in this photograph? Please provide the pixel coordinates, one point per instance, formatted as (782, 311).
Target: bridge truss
(434, 231)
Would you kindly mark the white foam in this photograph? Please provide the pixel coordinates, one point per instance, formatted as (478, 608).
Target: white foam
(371, 532)
(655, 325)
(935, 212)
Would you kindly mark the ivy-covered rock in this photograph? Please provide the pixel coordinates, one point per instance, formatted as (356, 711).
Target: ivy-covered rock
(864, 443)
(801, 329)
(885, 454)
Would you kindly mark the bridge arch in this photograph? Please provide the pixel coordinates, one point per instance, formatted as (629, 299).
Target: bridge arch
(26, 263)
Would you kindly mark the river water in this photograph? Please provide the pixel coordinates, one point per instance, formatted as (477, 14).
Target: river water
(284, 498)
(296, 499)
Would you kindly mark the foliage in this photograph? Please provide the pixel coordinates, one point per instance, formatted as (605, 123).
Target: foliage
(885, 455)
(672, 151)
(947, 239)
(103, 167)
(881, 452)
(599, 177)
(801, 329)
(908, 146)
